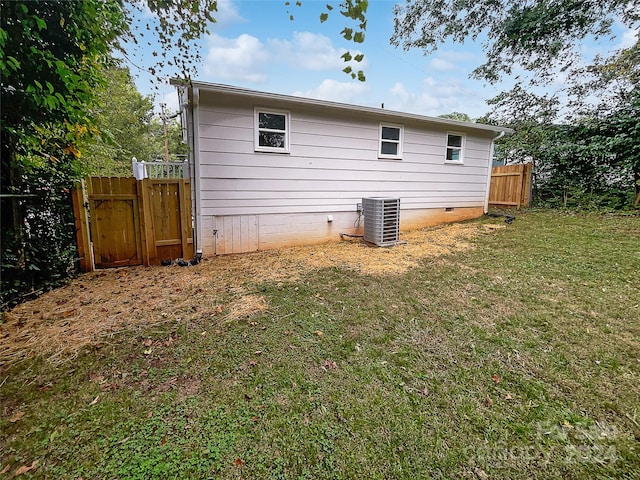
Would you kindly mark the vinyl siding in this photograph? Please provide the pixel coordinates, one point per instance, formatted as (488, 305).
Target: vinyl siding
(333, 163)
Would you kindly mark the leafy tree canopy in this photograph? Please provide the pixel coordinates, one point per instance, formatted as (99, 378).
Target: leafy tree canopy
(127, 128)
(539, 36)
(460, 116)
(53, 59)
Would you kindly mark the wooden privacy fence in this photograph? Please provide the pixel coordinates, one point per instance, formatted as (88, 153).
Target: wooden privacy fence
(511, 185)
(123, 221)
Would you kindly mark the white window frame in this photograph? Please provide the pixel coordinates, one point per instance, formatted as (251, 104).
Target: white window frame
(463, 139)
(256, 130)
(399, 142)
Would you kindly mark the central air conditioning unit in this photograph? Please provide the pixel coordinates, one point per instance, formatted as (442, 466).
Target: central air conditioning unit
(381, 220)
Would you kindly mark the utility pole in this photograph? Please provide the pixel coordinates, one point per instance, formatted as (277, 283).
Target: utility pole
(164, 130)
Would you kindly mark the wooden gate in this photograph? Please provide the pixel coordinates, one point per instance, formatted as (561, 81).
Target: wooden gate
(124, 221)
(511, 185)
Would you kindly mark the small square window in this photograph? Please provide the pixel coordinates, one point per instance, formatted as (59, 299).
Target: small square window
(455, 146)
(271, 131)
(390, 141)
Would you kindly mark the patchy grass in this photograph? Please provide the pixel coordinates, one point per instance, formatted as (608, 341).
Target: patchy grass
(516, 358)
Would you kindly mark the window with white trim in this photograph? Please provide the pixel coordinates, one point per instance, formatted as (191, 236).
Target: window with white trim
(271, 131)
(390, 141)
(455, 148)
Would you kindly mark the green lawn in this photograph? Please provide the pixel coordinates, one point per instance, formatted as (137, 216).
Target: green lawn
(517, 358)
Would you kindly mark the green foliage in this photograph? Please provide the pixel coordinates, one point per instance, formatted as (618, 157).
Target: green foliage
(42, 254)
(591, 163)
(61, 47)
(170, 31)
(53, 59)
(158, 449)
(355, 10)
(536, 36)
(126, 128)
(460, 116)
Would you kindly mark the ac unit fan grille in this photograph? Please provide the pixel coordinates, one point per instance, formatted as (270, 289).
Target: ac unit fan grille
(381, 220)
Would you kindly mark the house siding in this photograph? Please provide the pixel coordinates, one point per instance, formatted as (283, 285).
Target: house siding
(281, 199)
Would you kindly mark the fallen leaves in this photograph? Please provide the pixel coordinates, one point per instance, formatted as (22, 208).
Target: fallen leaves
(318, 333)
(92, 310)
(425, 392)
(25, 468)
(16, 416)
(329, 365)
(481, 474)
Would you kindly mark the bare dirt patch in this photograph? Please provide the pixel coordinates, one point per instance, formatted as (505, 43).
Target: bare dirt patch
(95, 306)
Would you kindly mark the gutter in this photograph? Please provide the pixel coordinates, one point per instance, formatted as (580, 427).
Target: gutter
(501, 134)
(194, 106)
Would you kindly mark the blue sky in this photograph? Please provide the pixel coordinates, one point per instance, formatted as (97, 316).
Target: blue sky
(255, 45)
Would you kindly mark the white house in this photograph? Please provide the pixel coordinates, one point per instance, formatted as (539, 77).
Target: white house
(271, 170)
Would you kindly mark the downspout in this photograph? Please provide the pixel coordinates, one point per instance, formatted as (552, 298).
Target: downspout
(194, 101)
(491, 154)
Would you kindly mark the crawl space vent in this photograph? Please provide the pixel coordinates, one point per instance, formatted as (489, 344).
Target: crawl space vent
(381, 220)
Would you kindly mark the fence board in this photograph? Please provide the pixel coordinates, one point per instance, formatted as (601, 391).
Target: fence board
(85, 252)
(134, 222)
(114, 222)
(166, 217)
(510, 185)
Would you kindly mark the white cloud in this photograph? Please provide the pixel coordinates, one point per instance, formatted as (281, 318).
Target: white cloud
(441, 65)
(227, 14)
(241, 59)
(435, 97)
(335, 91)
(458, 57)
(312, 51)
(628, 39)
(246, 58)
(399, 92)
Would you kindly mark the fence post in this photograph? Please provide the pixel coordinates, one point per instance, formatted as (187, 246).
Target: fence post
(519, 186)
(526, 185)
(185, 217)
(149, 251)
(81, 221)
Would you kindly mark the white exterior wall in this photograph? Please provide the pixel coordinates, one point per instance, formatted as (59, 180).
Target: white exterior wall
(255, 200)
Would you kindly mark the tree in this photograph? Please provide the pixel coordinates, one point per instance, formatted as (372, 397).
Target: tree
(51, 55)
(122, 117)
(460, 116)
(540, 37)
(558, 132)
(592, 162)
(54, 56)
(52, 60)
(355, 10)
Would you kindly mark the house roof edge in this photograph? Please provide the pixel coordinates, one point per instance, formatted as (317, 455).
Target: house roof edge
(240, 91)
